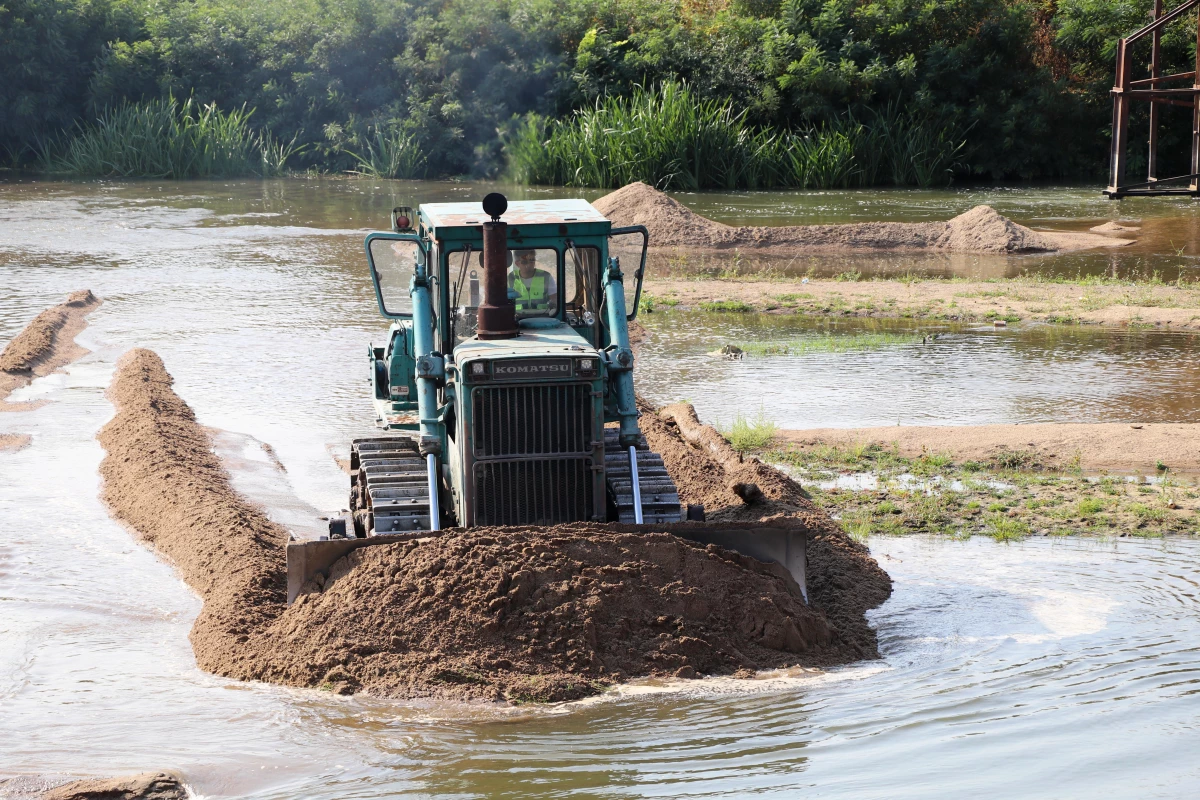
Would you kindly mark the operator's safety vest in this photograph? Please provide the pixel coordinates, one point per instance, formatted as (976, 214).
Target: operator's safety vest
(532, 297)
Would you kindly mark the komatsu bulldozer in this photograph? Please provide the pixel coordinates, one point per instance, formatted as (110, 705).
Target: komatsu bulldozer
(504, 391)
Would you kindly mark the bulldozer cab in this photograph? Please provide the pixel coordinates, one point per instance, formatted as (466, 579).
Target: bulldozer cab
(557, 250)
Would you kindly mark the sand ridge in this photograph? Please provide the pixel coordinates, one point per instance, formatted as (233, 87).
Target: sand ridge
(47, 343)
(1112, 446)
(518, 614)
(979, 230)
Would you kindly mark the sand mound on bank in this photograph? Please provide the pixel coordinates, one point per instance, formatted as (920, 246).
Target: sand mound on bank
(494, 613)
(46, 344)
(980, 230)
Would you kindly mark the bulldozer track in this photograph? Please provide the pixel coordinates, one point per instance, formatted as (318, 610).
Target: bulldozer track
(389, 486)
(660, 497)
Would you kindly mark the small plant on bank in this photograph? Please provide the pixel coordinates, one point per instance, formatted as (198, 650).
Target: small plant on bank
(727, 306)
(746, 434)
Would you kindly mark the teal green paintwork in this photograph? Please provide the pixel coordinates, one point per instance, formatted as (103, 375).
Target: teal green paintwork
(442, 400)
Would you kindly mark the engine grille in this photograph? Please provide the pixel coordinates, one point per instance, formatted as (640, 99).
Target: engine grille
(533, 492)
(532, 420)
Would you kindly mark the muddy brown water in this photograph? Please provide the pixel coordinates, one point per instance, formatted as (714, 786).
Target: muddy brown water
(1035, 669)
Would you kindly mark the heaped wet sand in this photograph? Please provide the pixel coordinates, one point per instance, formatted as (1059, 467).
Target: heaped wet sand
(520, 615)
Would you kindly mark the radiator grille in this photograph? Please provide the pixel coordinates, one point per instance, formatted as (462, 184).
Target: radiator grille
(536, 492)
(532, 420)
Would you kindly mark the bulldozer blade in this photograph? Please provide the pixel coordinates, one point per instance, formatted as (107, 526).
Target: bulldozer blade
(777, 544)
(312, 557)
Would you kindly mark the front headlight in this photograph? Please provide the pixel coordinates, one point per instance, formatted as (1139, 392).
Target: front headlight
(586, 367)
(480, 371)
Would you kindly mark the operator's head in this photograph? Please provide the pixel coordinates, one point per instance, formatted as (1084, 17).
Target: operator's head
(526, 262)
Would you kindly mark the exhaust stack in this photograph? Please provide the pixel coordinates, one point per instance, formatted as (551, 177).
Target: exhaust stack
(497, 314)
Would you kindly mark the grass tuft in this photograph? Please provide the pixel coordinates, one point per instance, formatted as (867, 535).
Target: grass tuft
(747, 434)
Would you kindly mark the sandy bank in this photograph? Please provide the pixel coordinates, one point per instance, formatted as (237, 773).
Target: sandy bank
(980, 230)
(499, 614)
(11, 442)
(1104, 446)
(147, 786)
(46, 344)
(1016, 299)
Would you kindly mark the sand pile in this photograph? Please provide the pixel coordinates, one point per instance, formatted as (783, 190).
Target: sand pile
(844, 581)
(147, 786)
(980, 230)
(544, 614)
(495, 613)
(46, 343)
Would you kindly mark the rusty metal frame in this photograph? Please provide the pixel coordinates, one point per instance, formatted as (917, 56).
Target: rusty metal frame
(1126, 91)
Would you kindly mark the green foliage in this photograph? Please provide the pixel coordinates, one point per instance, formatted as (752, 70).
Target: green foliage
(783, 92)
(166, 139)
(670, 137)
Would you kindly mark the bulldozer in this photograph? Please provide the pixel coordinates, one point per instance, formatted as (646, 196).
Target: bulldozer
(504, 392)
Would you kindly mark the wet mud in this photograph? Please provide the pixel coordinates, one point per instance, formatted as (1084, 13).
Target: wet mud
(47, 343)
(147, 786)
(496, 614)
(980, 230)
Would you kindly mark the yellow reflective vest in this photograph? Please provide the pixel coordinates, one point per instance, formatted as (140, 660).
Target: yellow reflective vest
(532, 297)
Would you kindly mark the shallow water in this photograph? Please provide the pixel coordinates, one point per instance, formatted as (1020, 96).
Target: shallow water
(1038, 669)
(969, 375)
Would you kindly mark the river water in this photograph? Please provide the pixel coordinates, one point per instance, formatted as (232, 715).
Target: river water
(1034, 669)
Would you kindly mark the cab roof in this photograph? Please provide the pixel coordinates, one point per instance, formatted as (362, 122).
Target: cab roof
(578, 214)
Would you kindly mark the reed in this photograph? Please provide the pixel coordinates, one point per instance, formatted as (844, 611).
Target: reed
(666, 136)
(391, 153)
(166, 139)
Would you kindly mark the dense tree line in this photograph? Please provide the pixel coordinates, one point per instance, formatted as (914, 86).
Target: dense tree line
(1024, 82)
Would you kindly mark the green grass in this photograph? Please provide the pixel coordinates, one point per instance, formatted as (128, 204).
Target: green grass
(735, 306)
(1002, 528)
(166, 139)
(668, 136)
(747, 434)
(830, 343)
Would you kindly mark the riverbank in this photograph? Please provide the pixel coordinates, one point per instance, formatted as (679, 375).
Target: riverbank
(1004, 481)
(1082, 302)
(1113, 447)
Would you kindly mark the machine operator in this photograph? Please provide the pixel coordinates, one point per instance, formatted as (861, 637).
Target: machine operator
(534, 288)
